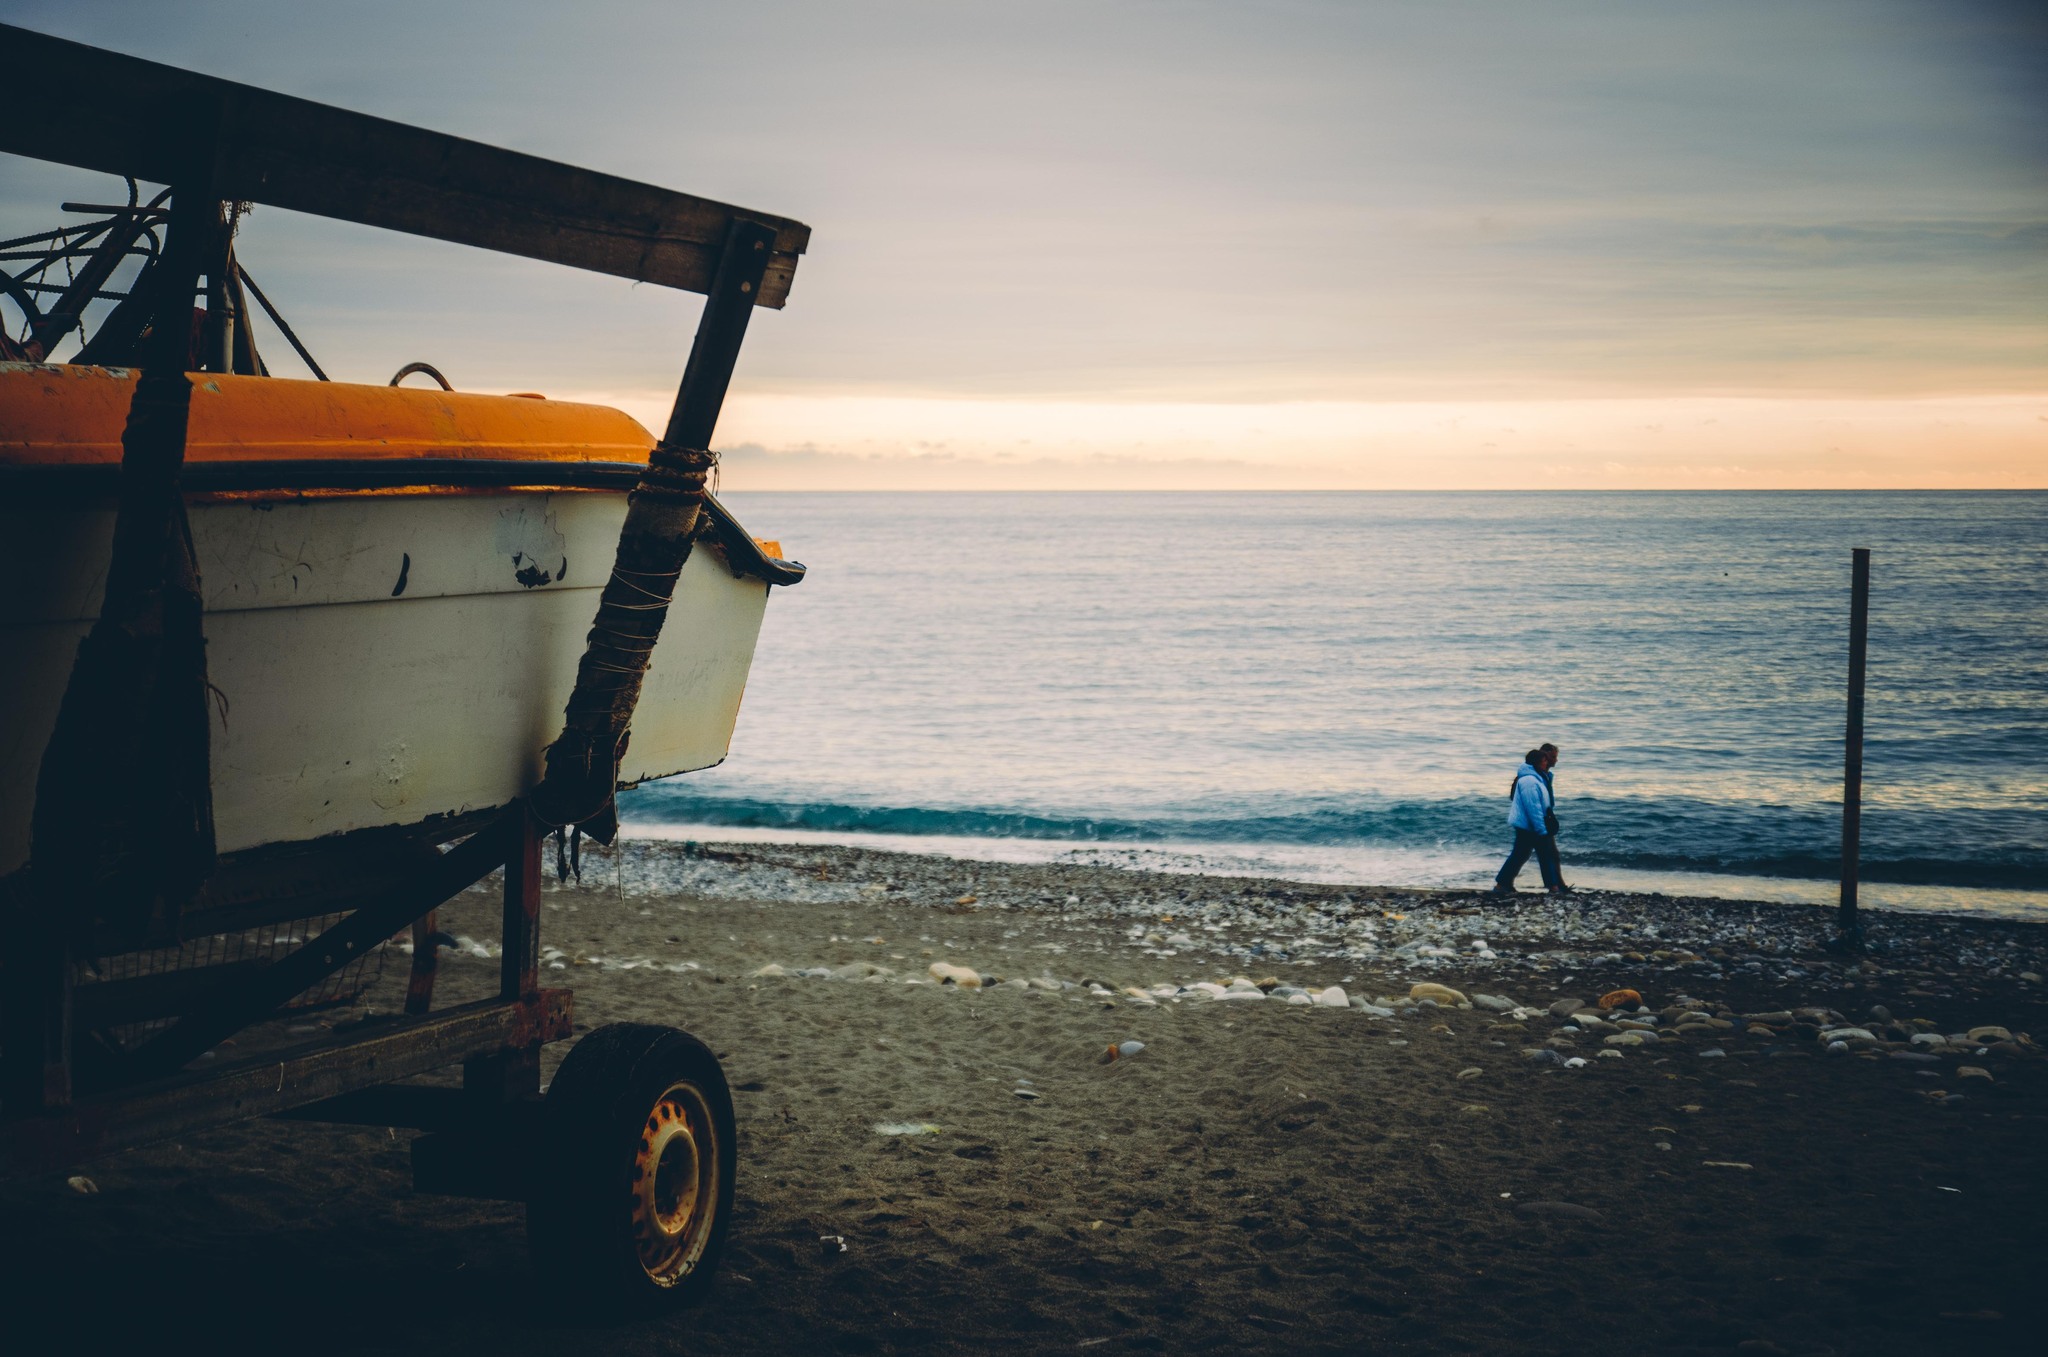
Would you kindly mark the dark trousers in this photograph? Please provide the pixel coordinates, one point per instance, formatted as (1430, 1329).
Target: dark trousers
(1544, 846)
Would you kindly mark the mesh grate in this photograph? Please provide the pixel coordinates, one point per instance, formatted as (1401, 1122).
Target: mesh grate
(268, 943)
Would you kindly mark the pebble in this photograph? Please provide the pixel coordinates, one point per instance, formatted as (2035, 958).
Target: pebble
(1990, 1034)
(1026, 1093)
(1333, 997)
(1973, 1072)
(1713, 1053)
(1564, 1008)
(1577, 1062)
(1472, 1072)
(1300, 999)
(1371, 1010)
(769, 972)
(82, 1185)
(1442, 994)
(1494, 1003)
(962, 976)
(1607, 1055)
(1544, 1055)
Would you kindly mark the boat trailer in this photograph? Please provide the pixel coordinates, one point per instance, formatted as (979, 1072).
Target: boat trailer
(627, 1161)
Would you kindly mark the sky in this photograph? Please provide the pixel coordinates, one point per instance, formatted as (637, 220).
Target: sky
(1782, 243)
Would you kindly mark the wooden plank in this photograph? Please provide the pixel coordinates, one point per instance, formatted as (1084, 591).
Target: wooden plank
(267, 1085)
(99, 110)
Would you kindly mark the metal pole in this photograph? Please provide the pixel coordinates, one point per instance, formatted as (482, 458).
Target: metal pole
(1852, 742)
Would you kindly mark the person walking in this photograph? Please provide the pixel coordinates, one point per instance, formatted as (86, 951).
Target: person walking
(1532, 814)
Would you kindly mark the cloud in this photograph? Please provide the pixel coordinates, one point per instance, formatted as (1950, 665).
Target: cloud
(1169, 204)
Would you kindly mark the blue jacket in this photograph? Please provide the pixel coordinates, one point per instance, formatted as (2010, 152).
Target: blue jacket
(1532, 798)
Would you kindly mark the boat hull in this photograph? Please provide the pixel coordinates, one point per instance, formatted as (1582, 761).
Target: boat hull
(381, 659)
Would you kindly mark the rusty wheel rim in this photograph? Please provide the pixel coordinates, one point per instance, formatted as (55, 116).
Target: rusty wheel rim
(675, 1185)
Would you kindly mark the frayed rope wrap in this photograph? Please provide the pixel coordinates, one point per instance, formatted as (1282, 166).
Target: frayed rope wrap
(662, 517)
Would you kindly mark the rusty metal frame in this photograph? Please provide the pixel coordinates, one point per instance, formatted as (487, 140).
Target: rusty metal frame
(497, 1041)
(266, 1085)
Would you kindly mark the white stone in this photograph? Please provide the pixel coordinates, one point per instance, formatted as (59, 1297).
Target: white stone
(1333, 997)
(769, 972)
(963, 976)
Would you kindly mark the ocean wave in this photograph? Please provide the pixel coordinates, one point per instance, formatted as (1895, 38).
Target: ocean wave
(1972, 848)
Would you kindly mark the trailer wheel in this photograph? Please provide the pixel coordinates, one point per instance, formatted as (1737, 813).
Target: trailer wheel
(634, 1191)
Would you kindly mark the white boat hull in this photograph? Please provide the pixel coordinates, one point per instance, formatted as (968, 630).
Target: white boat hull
(381, 659)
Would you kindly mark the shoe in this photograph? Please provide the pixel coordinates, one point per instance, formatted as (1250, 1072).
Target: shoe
(1500, 893)
(1565, 890)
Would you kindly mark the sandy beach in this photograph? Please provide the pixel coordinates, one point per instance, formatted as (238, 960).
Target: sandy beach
(938, 1166)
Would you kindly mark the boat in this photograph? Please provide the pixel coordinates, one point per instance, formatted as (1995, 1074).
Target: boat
(394, 647)
(291, 662)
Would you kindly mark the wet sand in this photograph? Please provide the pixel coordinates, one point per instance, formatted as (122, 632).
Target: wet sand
(1263, 1176)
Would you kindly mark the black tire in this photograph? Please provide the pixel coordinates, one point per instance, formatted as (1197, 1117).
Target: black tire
(620, 1198)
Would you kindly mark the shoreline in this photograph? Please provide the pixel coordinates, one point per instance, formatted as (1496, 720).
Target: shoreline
(1699, 944)
(1293, 863)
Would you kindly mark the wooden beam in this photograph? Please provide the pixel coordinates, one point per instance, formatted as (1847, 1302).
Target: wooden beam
(99, 110)
(654, 544)
(266, 1085)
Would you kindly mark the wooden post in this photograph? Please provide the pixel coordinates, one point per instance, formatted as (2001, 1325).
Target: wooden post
(514, 1075)
(519, 968)
(426, 965)
(1852, 742)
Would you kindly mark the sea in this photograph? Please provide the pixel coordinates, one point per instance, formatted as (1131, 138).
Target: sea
(1338, 687)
